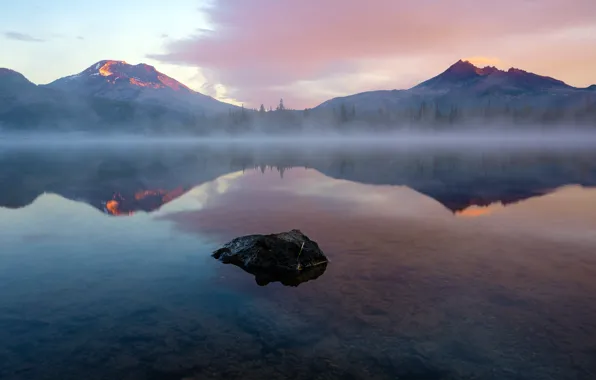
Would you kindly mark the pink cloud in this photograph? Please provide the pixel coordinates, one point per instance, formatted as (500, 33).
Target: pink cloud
(263, 47)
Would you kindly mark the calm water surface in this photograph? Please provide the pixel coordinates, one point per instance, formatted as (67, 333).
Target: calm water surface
(445, 264)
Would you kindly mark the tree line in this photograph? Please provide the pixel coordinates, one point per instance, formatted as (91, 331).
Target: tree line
(427, 115)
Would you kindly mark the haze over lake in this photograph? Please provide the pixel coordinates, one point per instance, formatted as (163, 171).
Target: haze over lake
(447, 261)
(298, 190)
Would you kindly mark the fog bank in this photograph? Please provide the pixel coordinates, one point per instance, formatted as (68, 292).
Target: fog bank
(526, 139)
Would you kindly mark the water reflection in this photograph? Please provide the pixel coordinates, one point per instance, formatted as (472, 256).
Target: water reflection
(124, 182)
(520, 281)
(288, 279)
(446, 265)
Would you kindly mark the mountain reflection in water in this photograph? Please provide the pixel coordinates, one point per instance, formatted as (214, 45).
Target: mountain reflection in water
(121, 183)
(444, 264)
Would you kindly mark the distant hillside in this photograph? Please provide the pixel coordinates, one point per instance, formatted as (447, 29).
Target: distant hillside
(114, 96)
(108, 96)
(465, 92)
(118, 80)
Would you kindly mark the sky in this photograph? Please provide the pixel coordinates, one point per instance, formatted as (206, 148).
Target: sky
(256, 52)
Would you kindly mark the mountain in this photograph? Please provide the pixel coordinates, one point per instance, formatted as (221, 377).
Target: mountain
(116, 97)
(464, 74)
(10, 78)
(14, 88)
(467, 92)
(109, 96)
(460, 74)
(118, 80)
(25, 105)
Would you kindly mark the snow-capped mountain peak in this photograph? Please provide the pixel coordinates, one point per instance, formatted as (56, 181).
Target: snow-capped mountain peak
(140, 83)
(120, 72)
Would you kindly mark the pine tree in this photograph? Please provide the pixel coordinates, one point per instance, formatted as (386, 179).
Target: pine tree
(262, 109)
(281, 106)
(343, 113)
(438, 115)
(488, 110)
(422, 111)
(381, 112)
(453, 114)
(243, 114)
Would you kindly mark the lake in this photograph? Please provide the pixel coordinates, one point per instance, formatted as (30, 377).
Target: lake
(445, 262)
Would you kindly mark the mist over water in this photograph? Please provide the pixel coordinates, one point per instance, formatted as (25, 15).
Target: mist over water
(452, 191)
(567, 138)
(452, 256)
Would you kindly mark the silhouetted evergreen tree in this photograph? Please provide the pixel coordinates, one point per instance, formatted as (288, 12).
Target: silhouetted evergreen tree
(453, 116)
(422, 111)
(488, 110)
(343, 114)
(281, 106)
(243, 115)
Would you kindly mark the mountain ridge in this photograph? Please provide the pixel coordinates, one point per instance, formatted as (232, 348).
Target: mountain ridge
(142, 75)
(461, 68)
(109, 95)
(113, 92)
(119, 80)
(477, 92)
(463, 71)
(14, 77)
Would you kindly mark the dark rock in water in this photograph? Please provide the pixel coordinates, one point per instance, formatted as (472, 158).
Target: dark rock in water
(288, 257)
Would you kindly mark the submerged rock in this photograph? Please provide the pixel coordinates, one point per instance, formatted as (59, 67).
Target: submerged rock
(288, 257)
